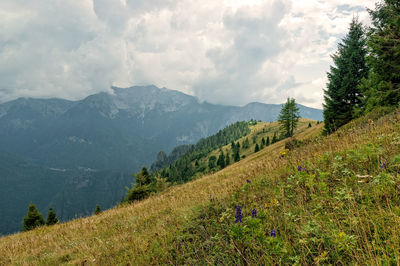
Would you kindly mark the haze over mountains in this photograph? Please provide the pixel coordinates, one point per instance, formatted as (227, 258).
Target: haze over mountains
(76, 150)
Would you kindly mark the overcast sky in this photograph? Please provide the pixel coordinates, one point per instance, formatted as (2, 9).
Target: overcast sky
(222, 51)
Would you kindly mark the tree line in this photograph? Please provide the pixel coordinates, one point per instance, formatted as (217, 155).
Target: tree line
(366, 68)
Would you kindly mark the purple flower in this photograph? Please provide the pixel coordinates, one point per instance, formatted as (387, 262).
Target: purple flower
(299, 168)
(254, 213)
(248, 181)
(273, 233)
(383, 165)
(238, 214)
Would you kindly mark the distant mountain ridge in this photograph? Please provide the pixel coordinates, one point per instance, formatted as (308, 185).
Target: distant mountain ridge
(114, 134)
(122, 130)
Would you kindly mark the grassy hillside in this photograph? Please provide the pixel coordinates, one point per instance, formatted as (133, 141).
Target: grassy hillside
(343, 208)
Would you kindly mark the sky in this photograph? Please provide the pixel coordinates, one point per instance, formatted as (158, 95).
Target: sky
(228, 52)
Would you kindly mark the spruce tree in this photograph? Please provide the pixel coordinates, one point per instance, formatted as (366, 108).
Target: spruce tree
(97, 210)
(256, 148)
(382, 87)
(221, 160)
(227, 161)
(343, 94)
(288, 118)
(263, 141)
(33, 218)
(236, 156)
(51, 217)
(274, 139)
(267, 142)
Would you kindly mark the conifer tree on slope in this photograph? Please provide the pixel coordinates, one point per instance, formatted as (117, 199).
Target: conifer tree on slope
(382, 87)
(51, 217)
(288, 118)
(33, 218)
(343, 93)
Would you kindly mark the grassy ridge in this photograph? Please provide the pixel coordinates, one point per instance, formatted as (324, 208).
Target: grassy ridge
(168, 228)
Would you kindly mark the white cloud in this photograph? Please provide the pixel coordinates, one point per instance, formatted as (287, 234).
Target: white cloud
(230, 52)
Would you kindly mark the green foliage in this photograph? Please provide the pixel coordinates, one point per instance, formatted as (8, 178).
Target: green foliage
(267, 143)
(33, 218)
(51, 217)
(228, 160)
(212, 162)
(142, 188)
(289, 117)
(382, 87)
(221, 160)
(246, 143)
(184, 168)
(97, 210)
(274, 139)
(256, 148)
(343, 93)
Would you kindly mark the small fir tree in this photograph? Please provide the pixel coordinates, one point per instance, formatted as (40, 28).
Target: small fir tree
(51, 217)
(274, 139)
(221, 160)
(256, 148)
(97, 210)
(288, 118)
(236, 156)
(33, 218)
(228, 160)
(267, 142)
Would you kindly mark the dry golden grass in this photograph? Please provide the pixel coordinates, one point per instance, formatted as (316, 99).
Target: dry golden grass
(142, 232)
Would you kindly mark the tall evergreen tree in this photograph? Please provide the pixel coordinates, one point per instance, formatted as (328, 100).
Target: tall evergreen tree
(33, 218)
(382, 87)
(236, 155)
(228, 160)
(288, 118)
(51, 217)
(256, 148)
(343, 94)
(267, 142)
(221, 160)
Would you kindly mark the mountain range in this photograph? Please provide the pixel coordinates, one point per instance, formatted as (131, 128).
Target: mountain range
(76, 150)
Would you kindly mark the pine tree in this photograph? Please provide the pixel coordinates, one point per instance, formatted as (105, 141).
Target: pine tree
(288, 118)
(263, 141)
(212, 162)
(256, 148)
(143, 177)
(267, 142)
(274, 139)
(382, 87)
(33, 218)
(97, 210)
(343, 94)
(51, 217)
(228, 160)
(236, 156)
(309, 125)
(221, 160)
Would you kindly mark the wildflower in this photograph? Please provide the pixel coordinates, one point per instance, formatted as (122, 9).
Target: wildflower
(248, 181)
(299, 168)
(254, 213)
(383, 165)
(273, 233)
(238, 214)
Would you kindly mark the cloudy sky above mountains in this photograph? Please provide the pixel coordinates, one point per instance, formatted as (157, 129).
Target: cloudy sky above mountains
(228, 51)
